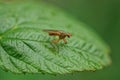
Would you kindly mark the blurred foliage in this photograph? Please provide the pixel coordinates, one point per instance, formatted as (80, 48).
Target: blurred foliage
(104, 17)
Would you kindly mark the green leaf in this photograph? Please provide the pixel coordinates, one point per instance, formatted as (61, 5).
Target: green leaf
(25, 48)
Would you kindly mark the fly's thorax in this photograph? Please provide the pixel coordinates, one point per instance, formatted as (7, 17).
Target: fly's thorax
(62, 36)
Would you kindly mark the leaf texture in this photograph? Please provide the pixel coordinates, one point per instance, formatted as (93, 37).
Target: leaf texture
(25, 48)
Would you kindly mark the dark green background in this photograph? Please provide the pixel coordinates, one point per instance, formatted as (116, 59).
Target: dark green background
(101, 15)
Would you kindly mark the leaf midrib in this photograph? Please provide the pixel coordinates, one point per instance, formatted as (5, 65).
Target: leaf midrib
(7, 31)
(42, 42)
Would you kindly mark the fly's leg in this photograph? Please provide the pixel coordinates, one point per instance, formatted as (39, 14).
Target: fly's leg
(65, 41)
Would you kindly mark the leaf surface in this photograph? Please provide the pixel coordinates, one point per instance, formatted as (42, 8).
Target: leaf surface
(25, 48)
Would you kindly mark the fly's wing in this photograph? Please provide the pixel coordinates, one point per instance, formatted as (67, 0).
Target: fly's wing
(53, 32)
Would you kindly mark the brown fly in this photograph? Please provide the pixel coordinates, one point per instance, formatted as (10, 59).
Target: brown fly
(61, 34)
